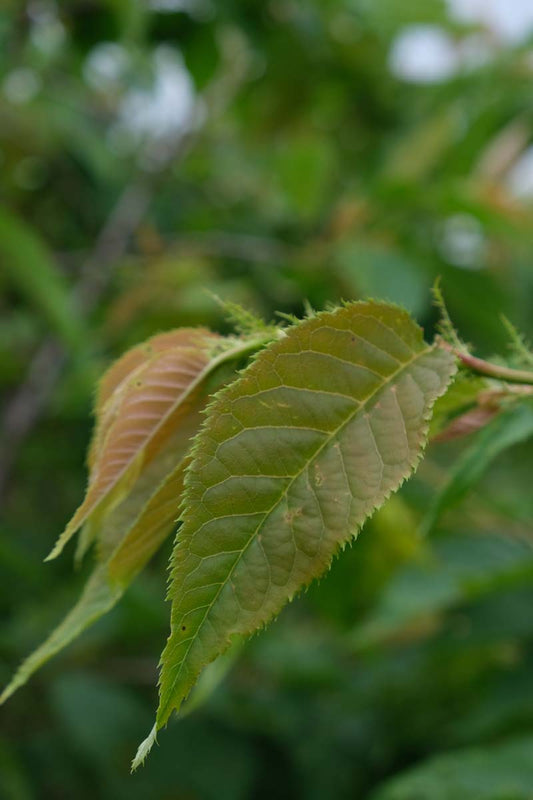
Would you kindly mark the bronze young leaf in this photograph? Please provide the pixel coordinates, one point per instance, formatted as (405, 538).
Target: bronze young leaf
(148, 407)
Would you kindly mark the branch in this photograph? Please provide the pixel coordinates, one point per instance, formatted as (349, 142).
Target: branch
(487, 368)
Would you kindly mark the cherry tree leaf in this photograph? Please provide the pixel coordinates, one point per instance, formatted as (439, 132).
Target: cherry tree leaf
(108, 397)
(140, 404)
(294, 456)
(131, 531)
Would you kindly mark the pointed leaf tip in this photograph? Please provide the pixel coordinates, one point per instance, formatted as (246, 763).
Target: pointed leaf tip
(144, 748)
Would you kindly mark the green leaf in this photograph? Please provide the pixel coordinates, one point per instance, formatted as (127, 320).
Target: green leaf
(130, 533)
(31, 268)
(450, 571)
(294, 456)
(509, 428)
(372, 269)
(500, 772)
(462, 396)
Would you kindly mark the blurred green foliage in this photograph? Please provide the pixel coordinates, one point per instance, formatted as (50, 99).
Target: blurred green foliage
(265, 152)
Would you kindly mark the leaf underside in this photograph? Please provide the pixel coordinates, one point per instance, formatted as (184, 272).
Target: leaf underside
(130, 530)
(294, 456)
(138, 407)
(118, 374)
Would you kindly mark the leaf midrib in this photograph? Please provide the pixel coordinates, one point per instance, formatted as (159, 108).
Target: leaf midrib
(329, 438)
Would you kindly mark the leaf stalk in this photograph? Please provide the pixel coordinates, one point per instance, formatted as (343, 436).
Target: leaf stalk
(487, 368)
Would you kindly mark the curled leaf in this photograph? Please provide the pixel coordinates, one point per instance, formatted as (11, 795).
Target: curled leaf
(131, 531)
(140, 405)
(108, 395)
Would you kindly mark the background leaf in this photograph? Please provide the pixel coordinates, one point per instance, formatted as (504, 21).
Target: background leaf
(509, 428)
(31, 269)
(452, 571)
(501, 772)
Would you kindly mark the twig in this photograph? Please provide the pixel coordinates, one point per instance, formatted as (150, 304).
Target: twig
(486, 367)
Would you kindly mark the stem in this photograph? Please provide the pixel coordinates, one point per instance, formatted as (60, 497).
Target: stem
(486, 367)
